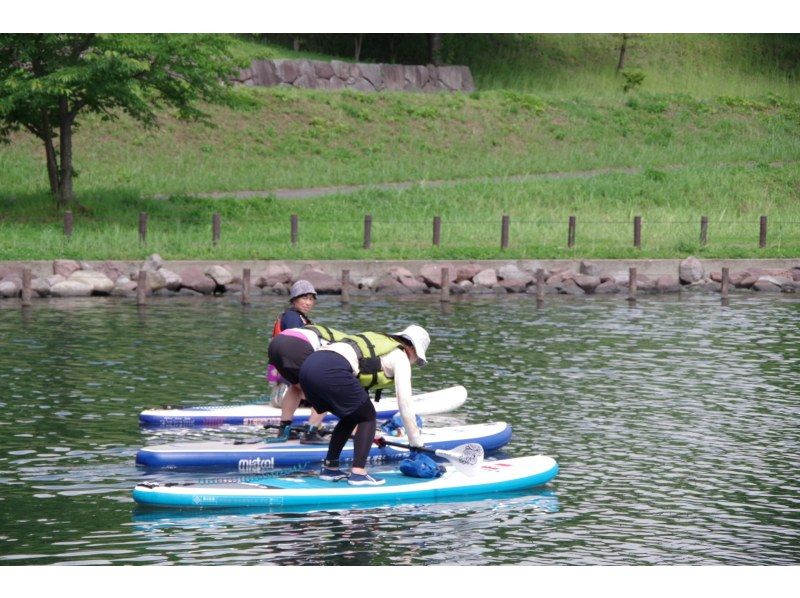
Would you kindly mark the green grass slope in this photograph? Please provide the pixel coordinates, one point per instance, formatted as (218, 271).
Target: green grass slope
(712, 130)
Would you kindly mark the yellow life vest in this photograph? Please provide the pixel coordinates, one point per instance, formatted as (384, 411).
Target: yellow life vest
(327, 334)
(370, 347)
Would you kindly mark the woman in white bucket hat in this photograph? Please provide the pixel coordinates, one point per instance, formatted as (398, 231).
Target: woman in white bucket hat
(337, 378)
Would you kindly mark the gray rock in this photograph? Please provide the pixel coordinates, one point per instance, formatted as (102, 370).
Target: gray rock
(273, 274)
(71, 288)
(323, 70)
(451, 77)
(194, 278)
(432, 274)
(323, 283)
(606, 288)
(65, 267)
(570, 287)
(264, 73)
(40, 287)
(765, 284)
(9, 289)
(513, 285)
(399, 272)
(367, 282)
(156, 281)
(467, 272)
(690, 270)
(387, 285)
(54, 279)
(412, 284)
(394, 77)
(499, 290)
(287, 70)
(219, 274)
(796, 274)
(99, 282)
(512, 272)
(172, 281)
(486, 278)
(111, 269)
(372, 73)
(153, 263)
(587, 283)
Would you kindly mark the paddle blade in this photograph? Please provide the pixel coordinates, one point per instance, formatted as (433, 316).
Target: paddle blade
(466, 458)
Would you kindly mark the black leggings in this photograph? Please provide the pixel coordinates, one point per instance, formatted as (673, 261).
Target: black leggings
(364, 418)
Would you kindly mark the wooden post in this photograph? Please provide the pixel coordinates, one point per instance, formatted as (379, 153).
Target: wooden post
(345, 288)
(632, 284)
(246, 286)
(68, 224)
(540, 283)
(726, 279)
(445, 284)
(504, 233)
(141, 288)
(762, 233)
(437, 230)
(294, 229)
(216, 228)
(26, 287)
(703, 230)
(367, 231)
(571, 233)
(142, 227)
(637, 232)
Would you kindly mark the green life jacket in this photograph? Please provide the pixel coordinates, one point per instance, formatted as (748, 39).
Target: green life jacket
(370, 347)
(327, 334)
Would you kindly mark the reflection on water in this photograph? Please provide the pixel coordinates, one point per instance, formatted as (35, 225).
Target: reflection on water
(674, 422)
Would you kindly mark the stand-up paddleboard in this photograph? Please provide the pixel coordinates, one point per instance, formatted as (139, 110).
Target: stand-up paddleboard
(259, 414)
(284, 493)
(259, 456)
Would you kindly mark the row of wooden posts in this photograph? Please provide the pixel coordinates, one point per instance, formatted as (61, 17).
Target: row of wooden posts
(216, 230)
(141, 287)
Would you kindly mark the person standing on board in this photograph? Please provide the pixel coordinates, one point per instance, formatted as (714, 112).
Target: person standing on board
(337, 378)
(287, 352)
(303, 298)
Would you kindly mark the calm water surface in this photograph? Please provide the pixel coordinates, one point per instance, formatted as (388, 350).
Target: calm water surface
(675, 423)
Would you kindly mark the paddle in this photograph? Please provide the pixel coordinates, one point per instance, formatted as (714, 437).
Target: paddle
(466, 458)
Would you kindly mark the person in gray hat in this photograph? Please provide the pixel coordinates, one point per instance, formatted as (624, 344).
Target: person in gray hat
(302, 297)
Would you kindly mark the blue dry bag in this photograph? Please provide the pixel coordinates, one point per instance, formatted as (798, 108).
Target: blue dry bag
(391, 425)
(418, 465)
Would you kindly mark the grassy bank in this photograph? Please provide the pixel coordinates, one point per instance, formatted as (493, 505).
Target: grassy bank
(722, 151)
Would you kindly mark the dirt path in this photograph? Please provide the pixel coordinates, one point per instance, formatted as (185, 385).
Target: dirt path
(311, 192)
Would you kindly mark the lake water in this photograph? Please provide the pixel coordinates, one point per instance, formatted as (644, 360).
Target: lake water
(675, 422)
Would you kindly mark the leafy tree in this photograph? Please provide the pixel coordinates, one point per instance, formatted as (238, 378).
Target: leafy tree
(48, 80)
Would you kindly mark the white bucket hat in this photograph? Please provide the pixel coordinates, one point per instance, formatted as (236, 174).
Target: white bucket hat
(418, 337)
(300, 288)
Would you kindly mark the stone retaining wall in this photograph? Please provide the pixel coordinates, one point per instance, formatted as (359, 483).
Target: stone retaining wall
(69, 278)
(315, 74)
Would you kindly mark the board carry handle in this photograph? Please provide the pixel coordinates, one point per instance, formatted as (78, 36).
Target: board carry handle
(466, 458)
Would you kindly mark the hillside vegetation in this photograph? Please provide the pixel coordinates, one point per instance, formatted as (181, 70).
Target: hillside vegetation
(711, 130)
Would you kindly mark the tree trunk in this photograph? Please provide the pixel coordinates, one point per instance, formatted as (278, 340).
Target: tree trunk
(622, 49)
(359, 42)
(435, 48)
(65, 194)
(50, 153)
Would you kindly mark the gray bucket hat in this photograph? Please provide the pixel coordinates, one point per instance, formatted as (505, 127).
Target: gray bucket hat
(300, 288)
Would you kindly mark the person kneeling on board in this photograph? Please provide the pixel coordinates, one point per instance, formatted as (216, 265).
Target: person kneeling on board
(337, 378)
(287, 351)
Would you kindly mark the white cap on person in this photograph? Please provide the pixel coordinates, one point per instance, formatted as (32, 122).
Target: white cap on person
(418, 337)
